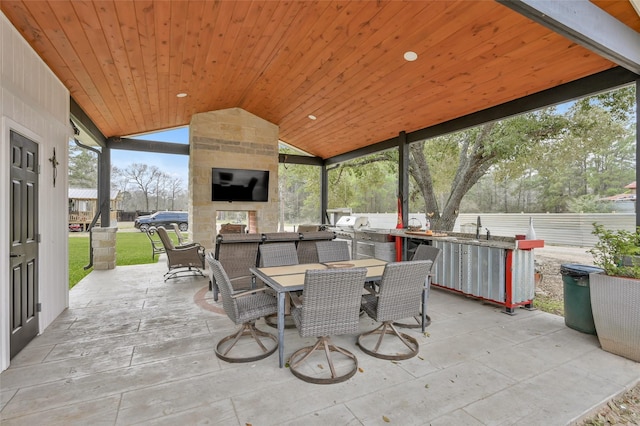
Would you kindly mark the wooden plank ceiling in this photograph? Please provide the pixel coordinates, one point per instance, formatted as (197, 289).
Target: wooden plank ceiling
(125, 61)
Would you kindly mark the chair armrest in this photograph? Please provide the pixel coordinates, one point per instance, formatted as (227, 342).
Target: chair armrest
(187, 245)
(189, 248)
(248, 292)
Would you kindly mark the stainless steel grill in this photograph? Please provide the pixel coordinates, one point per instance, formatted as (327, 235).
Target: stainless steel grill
(365, 241)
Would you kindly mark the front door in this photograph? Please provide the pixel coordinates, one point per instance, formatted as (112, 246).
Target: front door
(23, 242)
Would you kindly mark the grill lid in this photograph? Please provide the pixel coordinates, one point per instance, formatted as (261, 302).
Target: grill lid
(352, 222)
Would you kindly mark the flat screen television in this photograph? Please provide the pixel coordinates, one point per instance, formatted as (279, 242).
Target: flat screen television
(239, 185)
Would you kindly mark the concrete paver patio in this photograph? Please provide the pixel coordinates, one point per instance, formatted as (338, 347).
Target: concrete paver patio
(132, 349)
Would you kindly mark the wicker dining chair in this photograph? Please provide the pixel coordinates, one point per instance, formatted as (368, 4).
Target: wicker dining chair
(237, 253)
(431, 254)
(397, 297)
(307, 250)
(181, 261)
(331, 307)
(243, 308)
(333, 251)
(278, 254)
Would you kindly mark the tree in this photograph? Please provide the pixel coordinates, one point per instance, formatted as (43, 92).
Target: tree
(174, 186)
(83, 167)
(478, 151)
(142, 176)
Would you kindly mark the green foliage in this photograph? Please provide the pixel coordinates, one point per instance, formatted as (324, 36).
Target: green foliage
(615, 251)
(366, 184)
(588, 204)
(78, 258)
(132, 248)
(549, 304)
(83, 167)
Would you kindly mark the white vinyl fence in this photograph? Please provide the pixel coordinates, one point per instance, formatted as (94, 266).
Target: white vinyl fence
(566, 229)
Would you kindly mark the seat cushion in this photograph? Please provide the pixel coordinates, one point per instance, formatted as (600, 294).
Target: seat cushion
(255, 306)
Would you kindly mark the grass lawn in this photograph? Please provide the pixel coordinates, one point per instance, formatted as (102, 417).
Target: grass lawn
(132, 248)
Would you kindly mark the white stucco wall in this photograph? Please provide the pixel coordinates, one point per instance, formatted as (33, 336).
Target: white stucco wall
(34, 103)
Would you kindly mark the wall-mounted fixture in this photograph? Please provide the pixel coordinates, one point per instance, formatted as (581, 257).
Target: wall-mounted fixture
(54, 163)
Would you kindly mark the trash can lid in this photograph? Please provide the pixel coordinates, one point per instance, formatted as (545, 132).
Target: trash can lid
(576, 270)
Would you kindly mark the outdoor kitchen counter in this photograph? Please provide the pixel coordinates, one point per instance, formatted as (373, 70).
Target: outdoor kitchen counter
(507, 243)
(500, 269)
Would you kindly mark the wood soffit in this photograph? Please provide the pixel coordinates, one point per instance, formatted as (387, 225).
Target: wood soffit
(125, 61)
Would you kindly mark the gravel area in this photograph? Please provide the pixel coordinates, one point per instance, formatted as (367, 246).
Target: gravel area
(623, 410)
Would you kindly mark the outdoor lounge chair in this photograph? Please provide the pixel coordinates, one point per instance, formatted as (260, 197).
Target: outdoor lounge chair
(182, 240)
(181, 261)
(431, 254)
(243, 308)
(397, 297)
(331, 307)
(156, 244)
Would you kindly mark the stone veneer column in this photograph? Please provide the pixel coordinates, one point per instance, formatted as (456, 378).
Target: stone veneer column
(103, 242)
(230, 138)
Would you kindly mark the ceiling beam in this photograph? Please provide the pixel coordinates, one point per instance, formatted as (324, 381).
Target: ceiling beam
(86, 125)
(636, 5)
(586, 24)
(300, 159)
(148, 146)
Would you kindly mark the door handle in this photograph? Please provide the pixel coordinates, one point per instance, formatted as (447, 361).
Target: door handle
(16, 255)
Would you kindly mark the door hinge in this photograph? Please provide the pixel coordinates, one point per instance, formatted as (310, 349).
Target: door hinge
(39, 167)
(38, 307)
(38, 238)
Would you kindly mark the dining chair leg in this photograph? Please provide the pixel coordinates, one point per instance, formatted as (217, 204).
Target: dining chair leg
(248, 329)
(387, 328)
(324, 344)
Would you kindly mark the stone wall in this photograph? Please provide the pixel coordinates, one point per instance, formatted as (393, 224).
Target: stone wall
(231, 138)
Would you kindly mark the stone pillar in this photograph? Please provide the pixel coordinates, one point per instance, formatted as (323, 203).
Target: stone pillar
(103, 243)
(230, 138)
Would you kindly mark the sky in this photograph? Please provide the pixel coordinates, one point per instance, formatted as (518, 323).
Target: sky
(174, 165)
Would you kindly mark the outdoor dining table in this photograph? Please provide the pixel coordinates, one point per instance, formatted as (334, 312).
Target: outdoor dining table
(285, 279)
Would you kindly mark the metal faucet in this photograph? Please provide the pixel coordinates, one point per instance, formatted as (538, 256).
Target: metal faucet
(478, 227)
(488, 234)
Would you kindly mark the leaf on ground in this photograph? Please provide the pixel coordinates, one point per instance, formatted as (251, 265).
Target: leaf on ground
(360, 369)
(426, 386)
(320, 366)
(386, 419)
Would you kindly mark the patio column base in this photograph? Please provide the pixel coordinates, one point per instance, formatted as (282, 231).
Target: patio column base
(103, 242)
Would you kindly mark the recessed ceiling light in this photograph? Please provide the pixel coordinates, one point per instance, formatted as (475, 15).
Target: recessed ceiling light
(312, 117)
(181, 95)
(410, 56)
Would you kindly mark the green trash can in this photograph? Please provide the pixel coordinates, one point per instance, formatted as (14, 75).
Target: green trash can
(577, 297)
